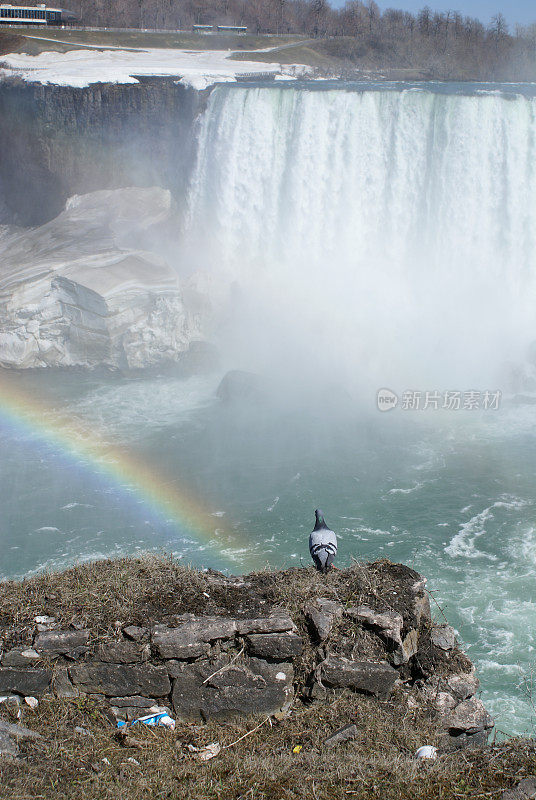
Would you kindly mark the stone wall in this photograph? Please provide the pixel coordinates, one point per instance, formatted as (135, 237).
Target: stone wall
(217, 667)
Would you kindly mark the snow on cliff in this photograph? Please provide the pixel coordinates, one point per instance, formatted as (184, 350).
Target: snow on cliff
(83, 67)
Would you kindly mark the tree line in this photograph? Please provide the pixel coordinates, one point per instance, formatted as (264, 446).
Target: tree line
(445, 44)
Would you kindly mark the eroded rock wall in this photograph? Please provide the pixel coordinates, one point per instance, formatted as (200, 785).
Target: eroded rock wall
(58, 141)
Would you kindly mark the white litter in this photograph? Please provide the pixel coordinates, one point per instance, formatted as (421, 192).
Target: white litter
(426, 751)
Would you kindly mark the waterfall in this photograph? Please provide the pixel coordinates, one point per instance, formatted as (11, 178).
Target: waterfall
(388, 232)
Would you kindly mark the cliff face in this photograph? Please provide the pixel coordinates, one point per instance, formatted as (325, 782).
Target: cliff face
(58, 141)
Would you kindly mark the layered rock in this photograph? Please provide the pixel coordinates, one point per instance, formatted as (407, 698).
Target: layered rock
(60, 141)
(86, 290)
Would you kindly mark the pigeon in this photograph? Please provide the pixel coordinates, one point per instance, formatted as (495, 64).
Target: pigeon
(322, 544)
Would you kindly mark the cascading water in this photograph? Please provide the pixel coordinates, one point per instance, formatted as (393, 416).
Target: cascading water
(392, 233)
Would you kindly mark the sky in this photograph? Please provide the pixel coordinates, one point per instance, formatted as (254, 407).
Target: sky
(515, 11)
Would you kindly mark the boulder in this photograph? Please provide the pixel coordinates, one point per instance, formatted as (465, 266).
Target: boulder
(468, 717)
(123, 652)
(25, 681)
(322, 615)
(136, 633)
(463, 685)
(62, 643)
(121, 680)
(362, 676)
(525, 790)
(20, 657)
(254, 687)
(238, 385)
(388, 625)
(191, 639)
(278, 646)
(277, 622)
(62, 685)
(443, 636)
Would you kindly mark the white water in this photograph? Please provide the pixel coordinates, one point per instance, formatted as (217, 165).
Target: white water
(390, 233)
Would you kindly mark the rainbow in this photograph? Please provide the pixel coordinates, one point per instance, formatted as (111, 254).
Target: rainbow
(122, 469)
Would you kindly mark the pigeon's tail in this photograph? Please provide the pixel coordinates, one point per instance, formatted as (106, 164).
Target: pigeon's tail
(323, 556)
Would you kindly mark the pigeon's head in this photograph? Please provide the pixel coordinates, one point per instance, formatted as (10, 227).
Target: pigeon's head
(319, 515)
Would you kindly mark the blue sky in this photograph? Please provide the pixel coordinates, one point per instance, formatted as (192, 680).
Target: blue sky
(515, 11)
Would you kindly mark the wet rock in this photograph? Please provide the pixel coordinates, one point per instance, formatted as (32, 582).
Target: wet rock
(62, 685)
(136, 633)
(62, 643)
(123, 652)
(20, 657)
(25, 681)
(239, 385)
(443, 636)
(362, 676)
(468, 717)
(255, 687)
(342, 735)
(191, 639)
(322, 615)
(278, 646)
(121, 680)
(525, 790)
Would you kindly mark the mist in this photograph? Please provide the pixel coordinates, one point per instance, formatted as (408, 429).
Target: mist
(364, 239)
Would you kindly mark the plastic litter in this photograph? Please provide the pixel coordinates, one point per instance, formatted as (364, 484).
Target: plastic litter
(151, 719)
(426, 751)
(297, 749)
(32, 702)
(43, 619)
(208, 752)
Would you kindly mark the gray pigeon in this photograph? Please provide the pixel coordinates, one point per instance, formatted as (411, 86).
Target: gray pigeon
(322, 544)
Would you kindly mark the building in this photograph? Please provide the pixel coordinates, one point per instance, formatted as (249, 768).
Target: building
(40, 15)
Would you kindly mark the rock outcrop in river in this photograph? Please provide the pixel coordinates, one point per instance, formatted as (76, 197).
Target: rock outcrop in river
(86, 289)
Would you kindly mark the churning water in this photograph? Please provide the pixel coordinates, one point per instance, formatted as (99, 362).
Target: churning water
(355, 238)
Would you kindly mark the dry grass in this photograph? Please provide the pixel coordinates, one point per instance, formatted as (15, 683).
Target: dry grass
(135, 39)
(136, 589)
(379, 763)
